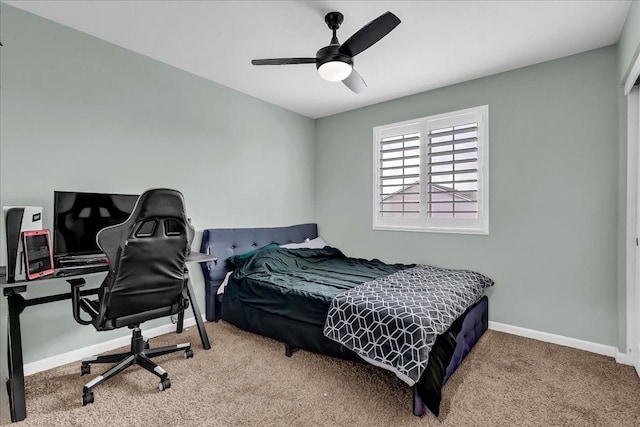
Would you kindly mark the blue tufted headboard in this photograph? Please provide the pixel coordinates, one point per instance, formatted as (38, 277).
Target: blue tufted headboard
(226, 242)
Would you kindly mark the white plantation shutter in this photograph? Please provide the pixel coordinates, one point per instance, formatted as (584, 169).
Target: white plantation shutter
(431, 174)
(452, 172)
(399, 176)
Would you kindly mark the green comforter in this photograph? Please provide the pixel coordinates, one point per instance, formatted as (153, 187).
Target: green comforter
(300, 283)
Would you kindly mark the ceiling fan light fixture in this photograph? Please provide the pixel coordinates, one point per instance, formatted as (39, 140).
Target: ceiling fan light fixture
(335, 71)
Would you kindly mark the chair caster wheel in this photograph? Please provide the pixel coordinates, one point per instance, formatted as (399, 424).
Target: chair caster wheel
(188, 354)
(146, 344)
(85, 369)
(87, 398)
(164, 384)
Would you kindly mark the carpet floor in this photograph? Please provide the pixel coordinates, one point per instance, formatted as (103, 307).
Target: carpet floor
(246, 380)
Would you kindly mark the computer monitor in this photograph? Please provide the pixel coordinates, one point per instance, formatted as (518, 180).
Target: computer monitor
(78, 216)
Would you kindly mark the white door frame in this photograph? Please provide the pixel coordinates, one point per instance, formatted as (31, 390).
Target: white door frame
(632, 349)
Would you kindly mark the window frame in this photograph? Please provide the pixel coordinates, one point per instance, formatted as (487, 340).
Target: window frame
(423, 126)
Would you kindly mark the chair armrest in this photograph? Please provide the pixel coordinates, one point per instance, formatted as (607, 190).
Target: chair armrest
(76, 284)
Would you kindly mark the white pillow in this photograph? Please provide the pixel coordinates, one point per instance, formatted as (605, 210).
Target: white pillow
(316, 243)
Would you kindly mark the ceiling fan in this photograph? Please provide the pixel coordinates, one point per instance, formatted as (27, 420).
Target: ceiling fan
(335, 62)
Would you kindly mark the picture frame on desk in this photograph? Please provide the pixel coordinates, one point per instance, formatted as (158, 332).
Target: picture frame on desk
(38, 256)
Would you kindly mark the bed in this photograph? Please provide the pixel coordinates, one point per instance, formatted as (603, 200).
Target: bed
(298, 321)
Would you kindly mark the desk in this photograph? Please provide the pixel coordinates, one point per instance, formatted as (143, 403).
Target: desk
(17, 303)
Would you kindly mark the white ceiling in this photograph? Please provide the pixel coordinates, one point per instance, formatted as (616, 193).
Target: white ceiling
(437, 44)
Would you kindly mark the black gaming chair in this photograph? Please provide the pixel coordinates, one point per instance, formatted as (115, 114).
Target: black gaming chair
(146, 280)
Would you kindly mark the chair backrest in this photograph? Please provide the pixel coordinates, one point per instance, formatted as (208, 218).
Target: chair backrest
(147, 256)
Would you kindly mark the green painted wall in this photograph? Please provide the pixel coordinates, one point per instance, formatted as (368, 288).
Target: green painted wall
(91, 116)
(553, 192)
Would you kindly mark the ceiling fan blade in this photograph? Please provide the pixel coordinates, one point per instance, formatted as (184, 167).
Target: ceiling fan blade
(355, 82)
(283, 61)
(370, 34)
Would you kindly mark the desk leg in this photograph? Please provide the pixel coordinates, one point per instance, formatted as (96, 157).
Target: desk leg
(180, 322)
(15, 383)
(196, 313)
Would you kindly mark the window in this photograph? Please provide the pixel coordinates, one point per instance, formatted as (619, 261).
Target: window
(432, 174)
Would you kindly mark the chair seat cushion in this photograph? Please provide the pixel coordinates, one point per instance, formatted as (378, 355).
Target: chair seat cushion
(136, 319)
(92, 307)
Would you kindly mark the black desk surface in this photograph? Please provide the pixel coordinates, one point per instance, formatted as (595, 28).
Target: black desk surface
(5, 285)
(192, 257)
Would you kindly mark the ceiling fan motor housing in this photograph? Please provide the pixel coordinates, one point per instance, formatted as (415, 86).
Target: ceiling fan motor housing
(329, 54)
(333, 65)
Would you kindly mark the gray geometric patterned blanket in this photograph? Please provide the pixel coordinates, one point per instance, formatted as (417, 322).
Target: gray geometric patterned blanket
(393, 322)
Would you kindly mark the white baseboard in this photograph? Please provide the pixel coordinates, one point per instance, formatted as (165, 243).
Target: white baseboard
(75, 355)
(606, 350)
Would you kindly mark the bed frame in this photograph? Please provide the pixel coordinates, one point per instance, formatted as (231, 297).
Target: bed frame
(226, 242)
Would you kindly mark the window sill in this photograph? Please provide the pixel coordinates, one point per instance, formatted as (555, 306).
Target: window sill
(448, 230)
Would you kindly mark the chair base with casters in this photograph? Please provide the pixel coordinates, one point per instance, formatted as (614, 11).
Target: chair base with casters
(140, 354)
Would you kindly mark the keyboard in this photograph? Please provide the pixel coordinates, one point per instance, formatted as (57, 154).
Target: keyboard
(73, 261)
(79, 270)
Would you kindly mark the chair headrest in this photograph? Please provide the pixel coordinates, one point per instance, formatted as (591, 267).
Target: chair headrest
(159, 202)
